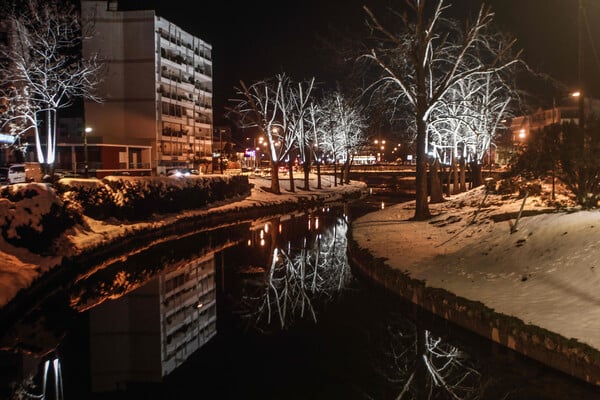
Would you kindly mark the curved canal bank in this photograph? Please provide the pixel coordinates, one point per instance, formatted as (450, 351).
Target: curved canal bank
(531, 289)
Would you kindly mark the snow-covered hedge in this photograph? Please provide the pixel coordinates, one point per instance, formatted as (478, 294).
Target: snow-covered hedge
(136, 198)
(32, 215)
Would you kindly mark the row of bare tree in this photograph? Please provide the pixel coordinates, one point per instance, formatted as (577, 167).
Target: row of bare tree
(296, 122)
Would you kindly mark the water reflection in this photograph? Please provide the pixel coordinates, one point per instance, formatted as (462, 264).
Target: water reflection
(145, 310)
(166, 321)
(298, 271)
(419, 364)
(147, 334)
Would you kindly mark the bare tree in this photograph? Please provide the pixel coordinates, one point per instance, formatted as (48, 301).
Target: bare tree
(294, 112)
(46, 67)
(465, 122)
(343, 126)
(276, 107)
(257, 106)
(424, 60)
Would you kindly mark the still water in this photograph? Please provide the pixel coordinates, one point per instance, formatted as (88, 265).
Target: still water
(267, 309)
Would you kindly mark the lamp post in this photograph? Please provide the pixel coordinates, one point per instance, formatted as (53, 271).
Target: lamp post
(85, 150)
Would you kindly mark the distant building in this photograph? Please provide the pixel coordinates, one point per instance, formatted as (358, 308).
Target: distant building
(157, 92)
(523, 126)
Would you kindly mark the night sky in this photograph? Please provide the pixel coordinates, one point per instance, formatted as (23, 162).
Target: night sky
(255, 40)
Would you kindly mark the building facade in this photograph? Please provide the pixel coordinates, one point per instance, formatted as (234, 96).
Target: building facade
(156, 112)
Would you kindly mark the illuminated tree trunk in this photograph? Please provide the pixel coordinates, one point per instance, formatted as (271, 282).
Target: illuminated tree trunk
(435, 183)
(291, 172)
(275, 177)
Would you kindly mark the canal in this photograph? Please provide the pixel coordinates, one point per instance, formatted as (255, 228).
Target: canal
(268, 309)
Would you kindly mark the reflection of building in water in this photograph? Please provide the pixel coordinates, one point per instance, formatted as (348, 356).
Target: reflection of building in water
(145, 335)
(188, 311)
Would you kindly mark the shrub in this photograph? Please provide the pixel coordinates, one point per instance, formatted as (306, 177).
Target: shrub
(32, 216)
(137, 198)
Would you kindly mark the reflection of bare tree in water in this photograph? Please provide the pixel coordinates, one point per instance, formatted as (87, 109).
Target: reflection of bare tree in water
(298, 278)
(419, 365)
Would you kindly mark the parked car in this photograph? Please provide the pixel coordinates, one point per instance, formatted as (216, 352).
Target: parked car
(13, 174)
(177, 172)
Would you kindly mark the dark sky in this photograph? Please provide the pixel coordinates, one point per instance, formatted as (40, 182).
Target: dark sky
(255, 39)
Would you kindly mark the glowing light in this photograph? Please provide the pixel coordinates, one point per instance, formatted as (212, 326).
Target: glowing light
(522, 134)
(262, 234)
(382, 205)
(262, 242)
(280, 228)
(267, 228)
(249, 242)
(199, 306)
(317, 223)
(576, 94)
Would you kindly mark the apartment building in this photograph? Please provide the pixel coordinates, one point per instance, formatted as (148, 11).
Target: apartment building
(156, 112)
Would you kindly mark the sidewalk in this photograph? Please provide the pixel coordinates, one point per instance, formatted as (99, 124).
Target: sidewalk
(535, 290)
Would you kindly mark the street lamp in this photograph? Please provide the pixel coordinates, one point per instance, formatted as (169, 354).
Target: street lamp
(381, 148)
(85, 150)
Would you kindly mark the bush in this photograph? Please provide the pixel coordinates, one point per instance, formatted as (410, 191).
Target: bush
(32, 216)
(137, 198)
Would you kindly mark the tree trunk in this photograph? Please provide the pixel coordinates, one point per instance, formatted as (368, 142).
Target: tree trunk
(275, 177)
(421, 205)
(455, 177)
(435, 183)
(476, 174)
(291, 173)
(463, 175)
(319, 175)
(335, 173)
(348, 163)
(306, 168)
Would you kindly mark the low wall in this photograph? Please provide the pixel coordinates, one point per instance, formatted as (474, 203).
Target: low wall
(567, 355)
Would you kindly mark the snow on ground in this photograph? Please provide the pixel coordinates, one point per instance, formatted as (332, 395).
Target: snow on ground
(20, 267)
(546, 272)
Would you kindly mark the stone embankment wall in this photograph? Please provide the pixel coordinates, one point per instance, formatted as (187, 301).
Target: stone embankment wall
(566, 355)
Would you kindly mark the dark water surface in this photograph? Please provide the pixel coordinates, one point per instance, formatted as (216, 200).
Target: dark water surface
(266, 309)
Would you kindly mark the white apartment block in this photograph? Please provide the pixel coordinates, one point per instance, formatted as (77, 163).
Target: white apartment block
(156, 112)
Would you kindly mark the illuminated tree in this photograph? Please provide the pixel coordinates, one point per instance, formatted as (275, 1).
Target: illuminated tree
(44, 63)
(277, 108)
(295, 110)
(465, 122)
(343, 130)
(428, 56)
